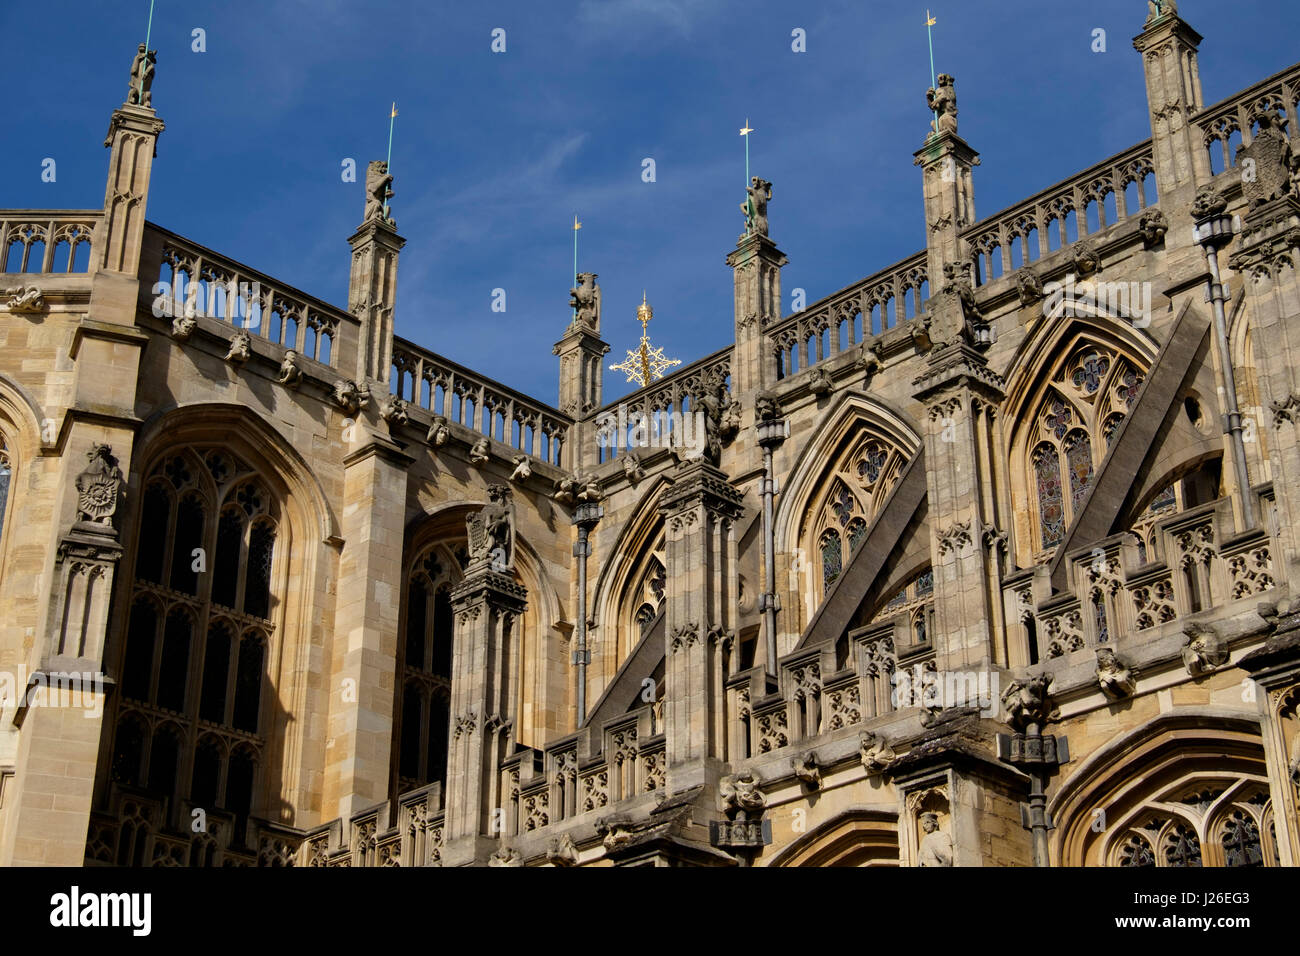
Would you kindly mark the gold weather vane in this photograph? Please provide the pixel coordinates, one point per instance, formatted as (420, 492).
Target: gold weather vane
(645, 363)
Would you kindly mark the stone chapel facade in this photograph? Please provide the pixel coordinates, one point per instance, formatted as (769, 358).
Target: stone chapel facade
(985, 559)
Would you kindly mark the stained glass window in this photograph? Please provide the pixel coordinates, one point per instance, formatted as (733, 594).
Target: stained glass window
(1058, 417)
(925, 583)
(1166, 499)
(1241, 841)
(1051, 505)
(872, 463)
(1183, 847)
(1099, 617)
(1130, 384)
(1136, 851)
(832, 557)
(842, 504)
(857, 531)
(1091, 371)
(1110, 426)
(4, 485)
(1078, 456)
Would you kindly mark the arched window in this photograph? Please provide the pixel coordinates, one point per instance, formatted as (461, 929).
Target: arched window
(4, 484)
(1082, 406)
(189, 727)
(858, 484)
(425, 670)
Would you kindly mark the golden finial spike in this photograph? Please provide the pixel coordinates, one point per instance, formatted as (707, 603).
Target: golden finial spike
(645, 363)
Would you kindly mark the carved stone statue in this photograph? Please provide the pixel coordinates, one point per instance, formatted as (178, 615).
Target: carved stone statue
(1204, 651)
(875, 752)
(98, 485)
(1293, 765)
(492, 532)
(936, 846)
(755, 206)
(481, 453)
(807, 769)
(586, 300)
(943, 103)
(1117, 680)
(347, 396)
(739, 793)
(523, 468)
(1027, 702)
(713, 404)
(290, 372)
(142, 70)
(1269, 167)
(438, 432)
(1153, 225)
(241, 349)
(949, 325)
(379, 189)
(25, 299)
(1160, 8)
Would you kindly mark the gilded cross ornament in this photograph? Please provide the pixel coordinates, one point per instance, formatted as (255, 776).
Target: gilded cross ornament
(646, 363)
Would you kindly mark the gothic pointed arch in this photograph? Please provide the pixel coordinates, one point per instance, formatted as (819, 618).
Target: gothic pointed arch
(224, 531)
(841, 480)
(854, 837)
(20, 440)
(1187, 789)
(629, 590)
(1068, 391)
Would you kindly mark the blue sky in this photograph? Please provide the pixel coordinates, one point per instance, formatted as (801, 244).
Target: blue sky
(494, 153)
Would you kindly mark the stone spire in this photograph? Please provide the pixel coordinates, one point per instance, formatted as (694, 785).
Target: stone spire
(948, 189)
(372, 286)
(581, 351)
(756, 264)
(1173, 79)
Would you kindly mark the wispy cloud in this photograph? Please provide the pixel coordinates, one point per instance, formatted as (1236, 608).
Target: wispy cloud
(678, 14)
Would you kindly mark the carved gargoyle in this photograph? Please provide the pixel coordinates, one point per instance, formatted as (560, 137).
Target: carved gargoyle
(241, 349)
(1028, 703)
(1116, 679)
(438, 432)
(876, 754)
(819, 382)
(481, 453)
(1029, 285)
(183, 327)
(523, 468)
(1085, 259)
(1153, 225)
(585, 300)
(140, 92)
(632, 469)
(740, 793)
(505, 856)
(589, 490)
(766, 407)
(98, 486)
(1208, 203)
(807, 769)
(379, 189)
(1205, 650)
(942, 101)
(561, 851)
(27, 300)
(394, 411)
(758, 194)
(566, 490)
(347, 396)
(290, 372)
